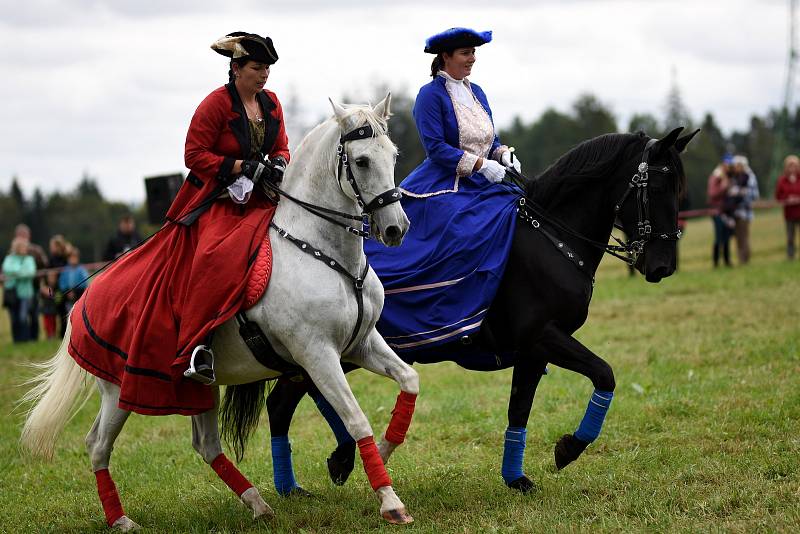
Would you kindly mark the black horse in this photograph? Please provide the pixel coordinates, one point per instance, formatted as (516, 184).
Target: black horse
(565, 220)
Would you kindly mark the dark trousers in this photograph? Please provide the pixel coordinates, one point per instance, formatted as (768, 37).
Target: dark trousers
(722, 239)
(792, 228)
(20, 321)
(33, 318)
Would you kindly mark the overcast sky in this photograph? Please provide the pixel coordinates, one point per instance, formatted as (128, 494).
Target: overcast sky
(108, 87)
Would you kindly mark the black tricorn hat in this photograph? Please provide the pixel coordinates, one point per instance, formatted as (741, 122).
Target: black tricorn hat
(243, 45)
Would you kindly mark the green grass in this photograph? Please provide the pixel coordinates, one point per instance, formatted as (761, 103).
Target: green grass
(703, 434)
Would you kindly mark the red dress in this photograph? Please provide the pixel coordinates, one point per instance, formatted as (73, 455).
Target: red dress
(139, 321)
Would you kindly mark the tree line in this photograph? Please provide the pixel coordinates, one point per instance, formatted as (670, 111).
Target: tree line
(88, 220)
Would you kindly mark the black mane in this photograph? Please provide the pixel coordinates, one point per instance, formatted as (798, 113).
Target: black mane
(593, 158)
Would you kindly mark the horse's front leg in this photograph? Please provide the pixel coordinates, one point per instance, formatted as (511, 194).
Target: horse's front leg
(205, 440)
(527, 373)
(565, 351)
(324, 368)
(376, 356)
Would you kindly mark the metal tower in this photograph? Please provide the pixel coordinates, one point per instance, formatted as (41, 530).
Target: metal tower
(781, 146)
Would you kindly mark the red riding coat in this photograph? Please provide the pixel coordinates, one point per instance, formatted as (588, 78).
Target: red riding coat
(139, 321)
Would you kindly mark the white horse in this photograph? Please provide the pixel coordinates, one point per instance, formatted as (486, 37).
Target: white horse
(309, 313)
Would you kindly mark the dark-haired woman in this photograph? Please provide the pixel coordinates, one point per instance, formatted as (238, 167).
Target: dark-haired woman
(440, 281)
(147, 321)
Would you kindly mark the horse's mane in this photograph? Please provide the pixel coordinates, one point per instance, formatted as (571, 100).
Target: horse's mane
(593, 159)
(357, 115)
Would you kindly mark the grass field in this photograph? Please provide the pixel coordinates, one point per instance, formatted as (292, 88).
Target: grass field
(703, 435)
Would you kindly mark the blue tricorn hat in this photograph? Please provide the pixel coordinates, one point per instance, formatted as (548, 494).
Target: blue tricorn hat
(456, 38)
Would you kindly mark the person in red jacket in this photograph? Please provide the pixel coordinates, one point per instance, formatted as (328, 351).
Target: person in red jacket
(231, 132)
(787, 192)
(145, 323)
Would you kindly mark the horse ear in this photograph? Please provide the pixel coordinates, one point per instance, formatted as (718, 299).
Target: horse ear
(382, 108)
(338, 111)
(667, 141)
(680, 144)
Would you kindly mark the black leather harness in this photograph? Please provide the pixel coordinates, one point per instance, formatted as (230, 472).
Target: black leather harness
(250, 331)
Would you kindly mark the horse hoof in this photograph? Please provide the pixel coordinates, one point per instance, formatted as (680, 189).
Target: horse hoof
(523, 484)
(398, 517)
(125, 524)
(341, 462)
(252, 499)
(567, 450)
(266, 514)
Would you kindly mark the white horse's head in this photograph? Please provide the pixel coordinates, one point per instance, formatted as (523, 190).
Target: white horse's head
(371, 161)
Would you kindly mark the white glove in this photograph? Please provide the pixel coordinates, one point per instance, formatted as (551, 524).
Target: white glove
(492, 171)
(505, 159)
(240, 190)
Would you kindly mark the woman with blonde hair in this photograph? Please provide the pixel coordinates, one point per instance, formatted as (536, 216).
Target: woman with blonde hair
(19, 268)
(787, 192)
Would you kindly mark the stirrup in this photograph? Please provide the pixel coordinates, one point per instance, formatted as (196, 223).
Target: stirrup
(203, 372)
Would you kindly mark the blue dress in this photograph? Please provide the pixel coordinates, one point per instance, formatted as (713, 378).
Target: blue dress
(440, 282)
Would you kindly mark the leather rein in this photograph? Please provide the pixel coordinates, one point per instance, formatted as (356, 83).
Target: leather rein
(530, 212)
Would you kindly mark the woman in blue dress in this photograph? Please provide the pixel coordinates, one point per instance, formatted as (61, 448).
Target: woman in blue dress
(440, 282)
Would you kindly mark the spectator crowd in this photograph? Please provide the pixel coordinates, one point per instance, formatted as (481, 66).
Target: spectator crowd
(48, 283)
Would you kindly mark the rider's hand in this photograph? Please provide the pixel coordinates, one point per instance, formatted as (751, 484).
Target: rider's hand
(507, 161)
(253, 170)
(492, 171)
(278, 168)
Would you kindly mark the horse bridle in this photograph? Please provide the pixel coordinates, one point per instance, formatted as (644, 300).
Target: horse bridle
(640, 181)
(384, 199)
(628, 251)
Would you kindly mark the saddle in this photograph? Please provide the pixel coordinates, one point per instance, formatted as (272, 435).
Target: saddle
(251, 333)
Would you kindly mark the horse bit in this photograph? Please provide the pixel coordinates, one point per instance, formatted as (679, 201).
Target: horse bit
(384, 199)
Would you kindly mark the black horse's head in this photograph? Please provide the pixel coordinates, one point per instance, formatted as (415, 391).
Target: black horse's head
(648, 209)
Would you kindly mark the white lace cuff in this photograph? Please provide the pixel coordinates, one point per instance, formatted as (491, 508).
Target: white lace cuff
(466, 164)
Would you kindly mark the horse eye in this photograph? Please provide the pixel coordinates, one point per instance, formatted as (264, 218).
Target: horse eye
(362, 162)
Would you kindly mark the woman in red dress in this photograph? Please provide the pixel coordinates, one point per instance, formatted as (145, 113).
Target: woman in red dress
(151, 314)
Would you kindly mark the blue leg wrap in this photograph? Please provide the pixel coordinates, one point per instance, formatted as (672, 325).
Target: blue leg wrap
(513, 453)
(333, 419)
(282, 470)
(596, 411)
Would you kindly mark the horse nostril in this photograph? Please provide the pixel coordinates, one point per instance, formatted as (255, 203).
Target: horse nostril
(393, 232)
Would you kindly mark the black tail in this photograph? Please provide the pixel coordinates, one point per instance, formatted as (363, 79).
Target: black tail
(239, 413)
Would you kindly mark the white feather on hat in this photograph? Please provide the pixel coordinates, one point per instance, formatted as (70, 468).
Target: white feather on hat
(231, 44)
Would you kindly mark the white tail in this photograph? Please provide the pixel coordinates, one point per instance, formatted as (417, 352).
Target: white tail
(56, 394)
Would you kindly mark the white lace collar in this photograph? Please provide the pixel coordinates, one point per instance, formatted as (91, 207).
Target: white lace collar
(460, 89)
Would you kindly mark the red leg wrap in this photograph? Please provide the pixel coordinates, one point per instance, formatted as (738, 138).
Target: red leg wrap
(107, 491)
(373, 465)
(401, 418)
(230, 475)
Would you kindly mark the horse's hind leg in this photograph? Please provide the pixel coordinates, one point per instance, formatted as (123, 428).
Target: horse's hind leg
(205, 440)
(324, 368)
(282, 402)
(99, 443)
(527, 373)
(565, 351)
(378, 357)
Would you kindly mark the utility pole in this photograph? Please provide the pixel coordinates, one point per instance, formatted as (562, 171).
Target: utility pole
(781, 145)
